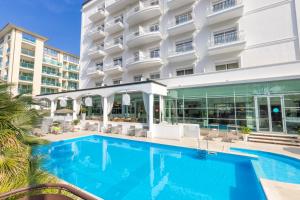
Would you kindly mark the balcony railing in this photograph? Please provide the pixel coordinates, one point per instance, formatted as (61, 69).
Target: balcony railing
(73, 77)
(115, 21)
(181, 50)
(226, 38)
(143, 31)
(50, 83)
(27, 65)
(113, 42)
(24, 91)
(97, 48)
(52, 62)
(25, 78)
(27, 52)
(142, 6)
(223, 5)
(178, 22)
(71, 68)
(141, 57)
(51, 73)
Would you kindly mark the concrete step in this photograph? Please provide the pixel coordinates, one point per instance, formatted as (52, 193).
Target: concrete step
(284, 139)
(275, 135)
(274, 142)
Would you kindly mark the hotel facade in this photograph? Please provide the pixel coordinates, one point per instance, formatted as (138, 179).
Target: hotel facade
(225, 63)
(34, 67)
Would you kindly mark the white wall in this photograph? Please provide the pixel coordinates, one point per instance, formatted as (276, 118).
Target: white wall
(271, 29)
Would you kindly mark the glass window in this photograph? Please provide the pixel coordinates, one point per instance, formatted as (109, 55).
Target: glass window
(154, 27)
(28, 37)
(226, 36)
(137, 78)
(117, 82)
(228, 66)
(184, 46)
(118, 61)
(155, 53)
(155, 76)
(221, 5)
(183, 17)
(50, 52)
(183, 72)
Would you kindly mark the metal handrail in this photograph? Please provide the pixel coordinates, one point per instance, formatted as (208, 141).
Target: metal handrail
(223, 5)
(59, 186)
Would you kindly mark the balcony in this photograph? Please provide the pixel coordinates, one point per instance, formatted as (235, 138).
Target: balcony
(98, 14)
(26, 78)
(27, 53)
(24, 91)
(182, 54)
(113, 6)
(113, 68)
(179, 27)
(97, 33)
(51, 73)
(97, 52)
(71, 68)
(51, 62)
(27, 65)
(51, 83)
(114, 46)
(143, 12)
(143, 37)
(115, 25)
(225, 10)
(174, 4)
(95, 72)
(227, 42)
(143, 62)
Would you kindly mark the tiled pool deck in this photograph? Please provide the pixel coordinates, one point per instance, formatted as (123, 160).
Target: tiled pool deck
(274, 190)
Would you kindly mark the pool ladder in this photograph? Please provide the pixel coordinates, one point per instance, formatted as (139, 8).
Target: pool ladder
(202, 153)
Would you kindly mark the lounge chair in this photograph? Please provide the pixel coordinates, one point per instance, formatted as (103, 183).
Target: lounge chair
(131, 131)
(117, 129)
(108, 129)
(141, 132)
(212, 135)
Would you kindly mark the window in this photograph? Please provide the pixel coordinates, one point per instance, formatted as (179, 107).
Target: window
(179, 19)
(118, 61)
(155, 76)
(118, 19)
(99, 66)
(226, 36)
(221, 5)
(117, 82)
(99, 84)
(228, 66)
(184, 46)
(137, 78)
(154, 27)
(118, 40)
(183, 72)
(136, 56)
(155, 53)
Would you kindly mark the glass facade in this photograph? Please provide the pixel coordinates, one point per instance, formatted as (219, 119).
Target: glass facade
(268, 106)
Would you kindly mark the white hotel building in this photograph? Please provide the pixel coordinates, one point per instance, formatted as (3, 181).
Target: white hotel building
(224, 62)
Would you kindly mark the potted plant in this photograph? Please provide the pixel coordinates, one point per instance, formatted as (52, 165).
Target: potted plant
(246, 131)
(76, 125)
(83, 113)
(55, 128)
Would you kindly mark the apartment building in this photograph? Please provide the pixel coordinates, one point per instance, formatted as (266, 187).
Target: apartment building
(225, 62)
(33, 66)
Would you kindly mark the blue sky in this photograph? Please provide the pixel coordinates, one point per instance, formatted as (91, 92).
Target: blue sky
(58, 20)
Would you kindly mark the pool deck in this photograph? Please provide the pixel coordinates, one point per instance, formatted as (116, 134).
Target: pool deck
(274, 190)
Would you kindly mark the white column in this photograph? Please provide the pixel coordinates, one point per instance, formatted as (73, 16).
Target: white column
(161, 108)
(53, 108)
(105, 114)
(75, 108)
(150, 113)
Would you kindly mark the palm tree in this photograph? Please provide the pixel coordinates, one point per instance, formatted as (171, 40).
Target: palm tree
(17, 167)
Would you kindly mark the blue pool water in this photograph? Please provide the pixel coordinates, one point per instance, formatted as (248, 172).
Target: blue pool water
(274, 166)
(116, 169)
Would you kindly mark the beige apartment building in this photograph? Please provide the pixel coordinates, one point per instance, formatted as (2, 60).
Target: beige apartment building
(33, 66)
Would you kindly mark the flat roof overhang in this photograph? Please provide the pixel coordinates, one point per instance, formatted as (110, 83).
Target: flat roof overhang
(149, 87)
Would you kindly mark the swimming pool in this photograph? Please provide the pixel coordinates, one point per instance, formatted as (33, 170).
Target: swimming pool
(115, 169)
(275, 166)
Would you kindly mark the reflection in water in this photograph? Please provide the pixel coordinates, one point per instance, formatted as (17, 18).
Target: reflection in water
(119, 169)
